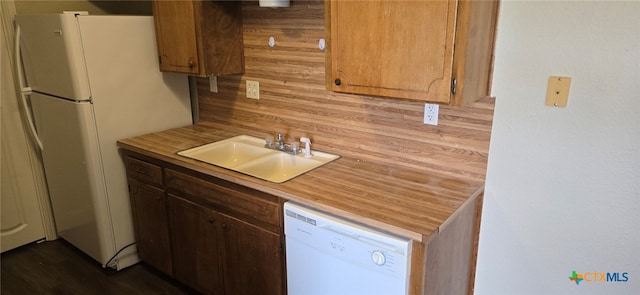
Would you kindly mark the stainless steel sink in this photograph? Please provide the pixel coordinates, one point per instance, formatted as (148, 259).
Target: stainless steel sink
(247, 154)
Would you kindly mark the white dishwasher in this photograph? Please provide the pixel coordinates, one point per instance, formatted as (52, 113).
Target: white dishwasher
(330, 256)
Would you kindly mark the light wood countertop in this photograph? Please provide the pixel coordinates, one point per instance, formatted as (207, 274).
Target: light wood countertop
(404, 201)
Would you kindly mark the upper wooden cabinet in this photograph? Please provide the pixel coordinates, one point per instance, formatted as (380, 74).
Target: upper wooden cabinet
(436, 51)
(202, 38)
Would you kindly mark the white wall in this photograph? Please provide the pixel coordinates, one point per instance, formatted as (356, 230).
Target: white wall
(563, 184)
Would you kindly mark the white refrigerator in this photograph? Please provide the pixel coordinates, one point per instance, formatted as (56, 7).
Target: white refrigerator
(91, 80)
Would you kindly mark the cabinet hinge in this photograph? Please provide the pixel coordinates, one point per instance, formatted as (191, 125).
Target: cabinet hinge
(159, 59)
(453, 86)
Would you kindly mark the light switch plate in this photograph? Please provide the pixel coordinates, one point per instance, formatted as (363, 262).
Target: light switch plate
(213, 84)
(558, 91)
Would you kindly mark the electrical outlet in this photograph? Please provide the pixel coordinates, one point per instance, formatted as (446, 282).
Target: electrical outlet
(253, 89)
(431, 113)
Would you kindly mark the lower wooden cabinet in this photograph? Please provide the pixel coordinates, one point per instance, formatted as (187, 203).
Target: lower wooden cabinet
(253, 259)
(149, 208)
(224, 238)
(195, 239)
(214, 236)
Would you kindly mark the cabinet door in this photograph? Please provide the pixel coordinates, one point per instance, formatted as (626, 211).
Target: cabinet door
(221, 38)
(149, 209)
(400, 49)
(195, 246)
(254, 259)
(176, 35)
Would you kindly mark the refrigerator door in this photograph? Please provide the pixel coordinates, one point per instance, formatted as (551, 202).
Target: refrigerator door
(52, 55)
(131, 97)
(74, 173)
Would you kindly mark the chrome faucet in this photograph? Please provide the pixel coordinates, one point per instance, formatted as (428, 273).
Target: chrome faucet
(280, 145)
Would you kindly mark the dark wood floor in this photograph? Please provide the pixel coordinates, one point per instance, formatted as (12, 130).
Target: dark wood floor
(58, 268)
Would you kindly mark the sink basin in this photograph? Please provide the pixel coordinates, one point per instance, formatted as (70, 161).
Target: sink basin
(247, 154)
(230, 152)
(281, 167)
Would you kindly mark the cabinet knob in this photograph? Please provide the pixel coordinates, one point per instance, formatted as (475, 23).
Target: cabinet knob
(338, 82)
(211, 220)
(191, 63)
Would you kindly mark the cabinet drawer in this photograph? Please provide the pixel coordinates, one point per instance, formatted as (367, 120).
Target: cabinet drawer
(226, 197)
(144, 171)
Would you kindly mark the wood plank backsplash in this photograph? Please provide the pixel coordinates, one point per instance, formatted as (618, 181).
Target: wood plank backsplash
(295, 101)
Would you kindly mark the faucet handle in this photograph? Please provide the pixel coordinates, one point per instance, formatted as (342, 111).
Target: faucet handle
(268, 140)
(295, 147)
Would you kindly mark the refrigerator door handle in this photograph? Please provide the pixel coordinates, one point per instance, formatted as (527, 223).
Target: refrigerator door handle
(24, 90)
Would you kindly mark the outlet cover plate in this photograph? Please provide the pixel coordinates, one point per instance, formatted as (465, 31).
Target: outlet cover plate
(253, 89)
(431, 113)
(558, 91)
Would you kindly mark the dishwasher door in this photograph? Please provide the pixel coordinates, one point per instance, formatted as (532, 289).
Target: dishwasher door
(330, 256)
